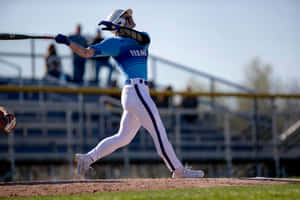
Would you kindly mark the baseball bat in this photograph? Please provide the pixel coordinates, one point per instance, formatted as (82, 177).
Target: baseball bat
(9, 36)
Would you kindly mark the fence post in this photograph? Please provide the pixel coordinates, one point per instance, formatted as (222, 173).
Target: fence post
(126, 160)
(228, 153)
(80, 121)
(21, 94)
(212, 90)
(69, 141)
(254, 136)
(178, 134)
(32, 54)
(275, 139)
(11, 152)
(101, 109)
(154, 69)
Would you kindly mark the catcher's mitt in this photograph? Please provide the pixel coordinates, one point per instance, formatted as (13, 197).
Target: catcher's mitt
(7, 121)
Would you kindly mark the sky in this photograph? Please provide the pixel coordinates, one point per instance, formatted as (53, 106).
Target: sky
(214, 36)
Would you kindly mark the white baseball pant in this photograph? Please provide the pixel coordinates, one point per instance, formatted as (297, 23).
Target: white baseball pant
(139, 110)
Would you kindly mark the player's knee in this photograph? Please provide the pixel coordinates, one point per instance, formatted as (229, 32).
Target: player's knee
(123, 140)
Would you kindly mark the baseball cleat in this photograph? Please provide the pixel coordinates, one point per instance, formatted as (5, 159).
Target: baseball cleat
(187, 173)
(83, 164)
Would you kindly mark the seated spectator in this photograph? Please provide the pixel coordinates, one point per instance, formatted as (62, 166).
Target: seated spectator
(152, 87)
(114, 86)
(189, 103)
(163, 101)
(53, 63)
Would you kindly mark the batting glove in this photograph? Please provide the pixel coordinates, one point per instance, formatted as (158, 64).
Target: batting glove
(62, 39)
(109, 26)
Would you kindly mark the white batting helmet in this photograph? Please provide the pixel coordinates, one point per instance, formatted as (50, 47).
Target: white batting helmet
(114, 17)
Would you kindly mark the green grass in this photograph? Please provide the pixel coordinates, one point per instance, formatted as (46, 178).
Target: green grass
(265, 192)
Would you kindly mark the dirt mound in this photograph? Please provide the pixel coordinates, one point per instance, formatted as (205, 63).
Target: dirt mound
(14, 189)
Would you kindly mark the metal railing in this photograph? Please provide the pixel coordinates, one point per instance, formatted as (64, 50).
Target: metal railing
(154, 60)
(222, 146)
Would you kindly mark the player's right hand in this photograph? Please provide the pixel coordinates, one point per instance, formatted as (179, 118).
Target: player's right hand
(62, 39)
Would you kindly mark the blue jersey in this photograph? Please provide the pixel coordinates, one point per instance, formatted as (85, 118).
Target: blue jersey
(130, 55)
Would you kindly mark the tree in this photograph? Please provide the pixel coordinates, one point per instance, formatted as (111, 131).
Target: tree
(259, 77)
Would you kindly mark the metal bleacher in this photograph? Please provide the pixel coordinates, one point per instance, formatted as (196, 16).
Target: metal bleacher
(55, 126)
(51, 127)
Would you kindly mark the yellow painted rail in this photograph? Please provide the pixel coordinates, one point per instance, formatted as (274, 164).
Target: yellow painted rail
(95, 90)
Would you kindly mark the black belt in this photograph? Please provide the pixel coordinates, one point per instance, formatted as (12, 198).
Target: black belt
(141, 81)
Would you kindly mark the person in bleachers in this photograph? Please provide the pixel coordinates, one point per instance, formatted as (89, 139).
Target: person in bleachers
(101, 62)
(53, 63)
(78, 61)
(189, 102)
(114, 86)
(152, 87)
(163, 101)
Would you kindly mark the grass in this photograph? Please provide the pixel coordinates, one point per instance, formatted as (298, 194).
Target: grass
(258, 192)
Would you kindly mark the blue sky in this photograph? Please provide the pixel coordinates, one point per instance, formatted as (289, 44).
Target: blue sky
(214, 36)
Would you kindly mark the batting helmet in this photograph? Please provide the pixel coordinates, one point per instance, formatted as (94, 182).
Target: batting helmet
(114, 17)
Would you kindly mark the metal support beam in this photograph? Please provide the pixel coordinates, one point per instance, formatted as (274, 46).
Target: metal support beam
(228, 153)
(32, 55)
(275, 139)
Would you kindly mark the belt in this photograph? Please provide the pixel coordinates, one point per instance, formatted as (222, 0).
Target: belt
(136, 80)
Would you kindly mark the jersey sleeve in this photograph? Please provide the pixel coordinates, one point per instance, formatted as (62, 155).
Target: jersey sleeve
(108, 47)
(147, 38)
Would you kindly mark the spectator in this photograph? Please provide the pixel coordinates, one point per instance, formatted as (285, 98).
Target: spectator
(189, 103)
(53, 63)
(152, 87)
(163, 101)
(114, 86)
(78, 61)
(101, 62)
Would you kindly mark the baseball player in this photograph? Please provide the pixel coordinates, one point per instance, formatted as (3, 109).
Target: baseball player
(129, 48)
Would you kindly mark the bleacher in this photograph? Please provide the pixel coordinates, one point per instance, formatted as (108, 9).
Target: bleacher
(57, 125)
(52, 127)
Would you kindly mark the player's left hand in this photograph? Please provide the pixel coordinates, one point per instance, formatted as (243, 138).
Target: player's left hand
(62, 39)
(109, 26)
(7, 122)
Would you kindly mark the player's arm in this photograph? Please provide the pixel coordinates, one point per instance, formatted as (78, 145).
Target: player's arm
(136, 35)
(141, 37)
(81, 51)
(108, 47)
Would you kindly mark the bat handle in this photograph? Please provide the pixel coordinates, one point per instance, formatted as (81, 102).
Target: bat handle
(49, 37)
(42, 37)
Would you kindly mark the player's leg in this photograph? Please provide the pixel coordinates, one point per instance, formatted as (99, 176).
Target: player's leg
(128, 128)
(152, 122)
(150, 119)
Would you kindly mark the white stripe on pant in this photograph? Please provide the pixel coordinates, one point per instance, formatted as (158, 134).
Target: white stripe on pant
(138, 108)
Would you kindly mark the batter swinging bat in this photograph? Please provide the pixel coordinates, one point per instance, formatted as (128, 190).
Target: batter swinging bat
(8, 36)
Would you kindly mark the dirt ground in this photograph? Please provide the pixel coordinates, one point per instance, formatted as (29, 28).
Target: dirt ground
(37, 188)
